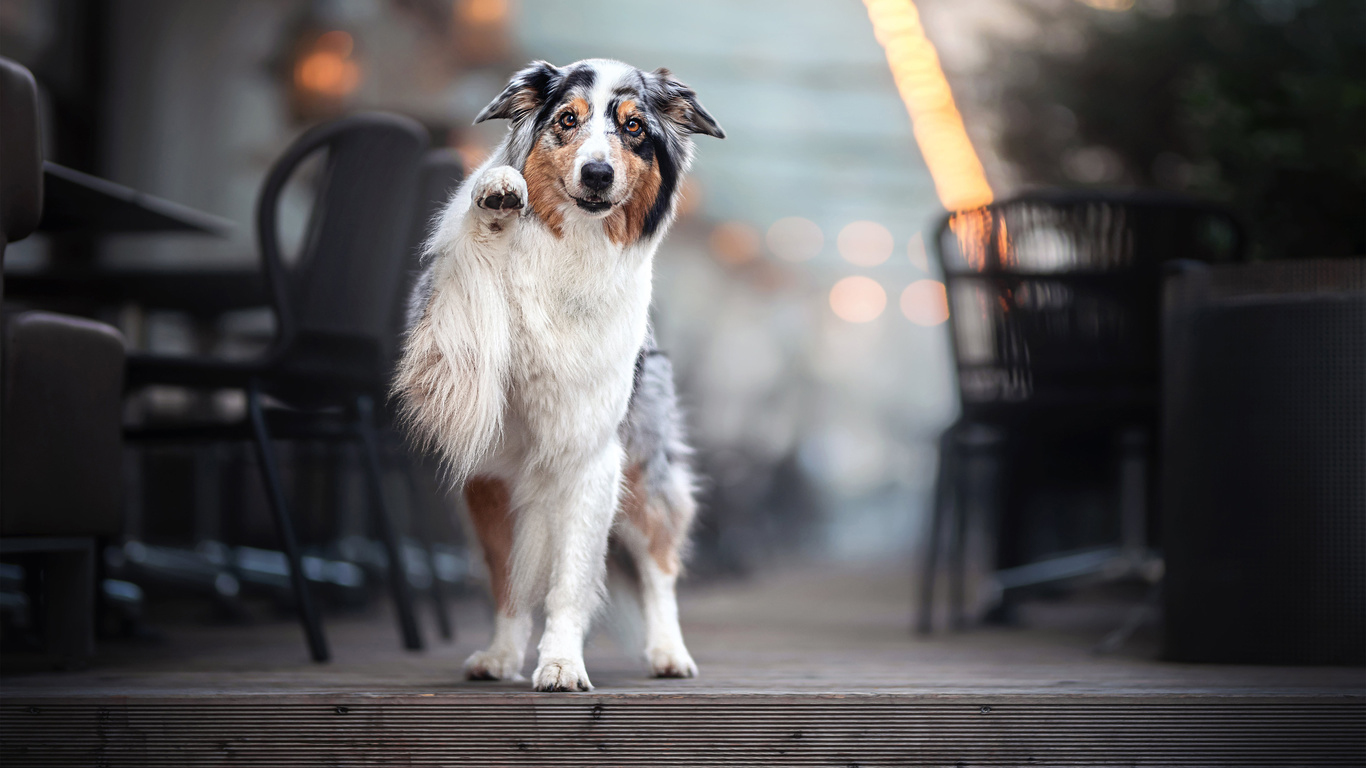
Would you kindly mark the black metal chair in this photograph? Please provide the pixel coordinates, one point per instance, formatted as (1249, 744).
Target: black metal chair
(334, 307)
(1054, 316)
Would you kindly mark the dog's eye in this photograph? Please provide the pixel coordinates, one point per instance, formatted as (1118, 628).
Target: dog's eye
(633, 126)
(569, 120)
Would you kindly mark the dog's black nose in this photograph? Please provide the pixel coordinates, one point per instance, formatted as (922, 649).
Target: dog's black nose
(597, 176)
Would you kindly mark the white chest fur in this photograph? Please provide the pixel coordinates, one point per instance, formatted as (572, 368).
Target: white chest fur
(577, 316)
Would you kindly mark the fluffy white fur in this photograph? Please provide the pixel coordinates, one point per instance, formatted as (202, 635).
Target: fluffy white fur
(520, 364)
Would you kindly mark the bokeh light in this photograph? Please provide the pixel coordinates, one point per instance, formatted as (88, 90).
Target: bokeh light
(1109, 5)
(689, 197)
(925, 302)
(734, 242)
(327, 69)
(795, 239)
(865, 243)
(858, 299)
(483, 11)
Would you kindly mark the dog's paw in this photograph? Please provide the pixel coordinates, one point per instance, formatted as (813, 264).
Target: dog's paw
(671, 662)
(487, 665)
(561, 675)
(500, 192)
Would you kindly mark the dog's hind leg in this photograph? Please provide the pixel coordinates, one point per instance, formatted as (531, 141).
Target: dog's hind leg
(488, 501)
(653, 528)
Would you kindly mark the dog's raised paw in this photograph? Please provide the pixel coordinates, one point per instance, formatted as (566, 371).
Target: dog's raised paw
(500, 191)
(561, 675)
(486, 665)
(671, 662)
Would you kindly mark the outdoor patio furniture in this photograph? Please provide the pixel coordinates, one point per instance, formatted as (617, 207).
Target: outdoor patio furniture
(334, 308)
(60, 402)
(78, 202)
(21, 158)
(62, 456)
(1054, 318)
(1264, 487)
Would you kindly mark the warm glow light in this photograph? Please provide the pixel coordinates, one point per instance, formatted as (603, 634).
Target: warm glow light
(483, 11)
(858, 299)
(328, 69)
(925, 302)
(915, 250)
(1109, 5)
(734, 242)
(865, 243)
(973, 232)
(689, 197)
(953, 163)
(795, 239)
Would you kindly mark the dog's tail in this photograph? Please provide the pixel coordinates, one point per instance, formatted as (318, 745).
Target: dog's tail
(452, 377)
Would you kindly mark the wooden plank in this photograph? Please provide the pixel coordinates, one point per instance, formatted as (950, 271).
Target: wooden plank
(664, 730)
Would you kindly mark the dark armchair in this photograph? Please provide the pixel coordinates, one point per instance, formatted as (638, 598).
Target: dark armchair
(61, 381)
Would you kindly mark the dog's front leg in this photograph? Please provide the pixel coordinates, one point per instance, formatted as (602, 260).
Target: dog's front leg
(499, 193)
(575, 516)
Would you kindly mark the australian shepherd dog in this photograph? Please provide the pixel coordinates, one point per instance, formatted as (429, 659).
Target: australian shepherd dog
(529, 367)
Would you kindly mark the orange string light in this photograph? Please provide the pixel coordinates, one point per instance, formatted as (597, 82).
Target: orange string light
(959, 179)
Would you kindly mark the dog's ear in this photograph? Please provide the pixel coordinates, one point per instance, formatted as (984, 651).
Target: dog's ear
(526, 92)
(679, 104)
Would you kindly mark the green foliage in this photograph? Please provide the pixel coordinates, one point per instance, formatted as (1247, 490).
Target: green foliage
(1260, 104)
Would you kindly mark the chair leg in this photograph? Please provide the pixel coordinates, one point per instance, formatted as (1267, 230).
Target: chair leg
(958, 534)
(69, 589)
(398, 574)
(943, 498)
(422, 518)
(284, 528)
(966, 495)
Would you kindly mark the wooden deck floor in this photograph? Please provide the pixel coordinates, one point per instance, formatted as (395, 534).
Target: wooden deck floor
(803, 667)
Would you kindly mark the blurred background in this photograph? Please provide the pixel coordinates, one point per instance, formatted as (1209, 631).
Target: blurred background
(800, 294)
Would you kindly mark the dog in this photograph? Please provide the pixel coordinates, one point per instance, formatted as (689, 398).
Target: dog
(530, 369)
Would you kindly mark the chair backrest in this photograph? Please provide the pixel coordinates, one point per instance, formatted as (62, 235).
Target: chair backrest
(21, 155)
(1054, 296)
(335, 303)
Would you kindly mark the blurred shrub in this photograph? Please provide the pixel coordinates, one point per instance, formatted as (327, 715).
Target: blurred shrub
(1260, 104)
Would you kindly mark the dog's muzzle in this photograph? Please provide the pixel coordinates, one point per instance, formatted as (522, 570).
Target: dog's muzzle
(596, 176)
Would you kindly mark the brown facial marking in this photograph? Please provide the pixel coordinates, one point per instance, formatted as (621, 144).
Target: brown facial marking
(545, 167)
(650, 521)
(551, 161)
(489, 502)
(625, 223)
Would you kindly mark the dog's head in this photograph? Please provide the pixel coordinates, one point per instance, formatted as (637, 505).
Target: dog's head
(599, 139)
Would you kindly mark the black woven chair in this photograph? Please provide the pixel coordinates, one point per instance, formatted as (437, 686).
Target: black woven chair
(1054, 315)
(334, 310)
